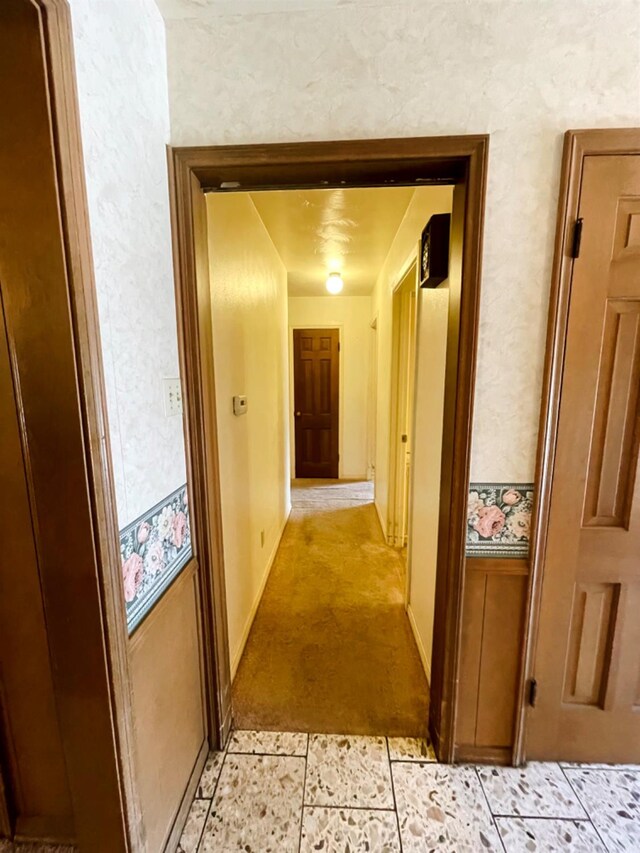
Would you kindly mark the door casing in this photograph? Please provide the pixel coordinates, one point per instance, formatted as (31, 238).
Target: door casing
(404, 339)
(453, 160)
(578, 144)
(77, 540)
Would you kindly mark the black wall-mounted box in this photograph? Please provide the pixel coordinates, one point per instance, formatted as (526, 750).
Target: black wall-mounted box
(434, 250)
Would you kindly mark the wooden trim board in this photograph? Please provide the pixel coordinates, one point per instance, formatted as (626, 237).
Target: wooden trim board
(420, 645)
(76, 538)
(380, 522)
(187, 800)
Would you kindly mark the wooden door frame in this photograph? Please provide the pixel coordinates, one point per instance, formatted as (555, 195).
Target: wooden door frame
(578, 144)
(376, 162)
(372, 403)
(340, 328)
(79, 562)
(394, 439)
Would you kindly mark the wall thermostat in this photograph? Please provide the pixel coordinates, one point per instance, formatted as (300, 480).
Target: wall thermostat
(240, 404)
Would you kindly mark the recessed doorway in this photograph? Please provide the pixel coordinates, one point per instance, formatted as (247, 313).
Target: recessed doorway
(316, 402)
(460, 163)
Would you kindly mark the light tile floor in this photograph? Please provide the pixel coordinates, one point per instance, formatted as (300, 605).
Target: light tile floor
(274, 792)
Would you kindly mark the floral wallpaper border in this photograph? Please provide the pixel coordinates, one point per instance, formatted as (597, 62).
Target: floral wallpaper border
(499, 519)
(154, 548)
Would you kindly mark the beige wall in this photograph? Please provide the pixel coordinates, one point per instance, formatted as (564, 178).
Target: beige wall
(352, 314)
(433, 321)
(249, 302)
(121, 67)
(521, 71)
(425, 202)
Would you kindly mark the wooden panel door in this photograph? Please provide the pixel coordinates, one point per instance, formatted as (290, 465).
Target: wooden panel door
(316, 393)
(30, 739)
(588, 655)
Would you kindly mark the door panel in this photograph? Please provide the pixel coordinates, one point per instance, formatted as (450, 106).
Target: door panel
(31, 743)
(587, 659)
(316, 394)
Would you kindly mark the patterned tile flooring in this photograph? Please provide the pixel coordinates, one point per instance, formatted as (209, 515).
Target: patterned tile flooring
(274, 792)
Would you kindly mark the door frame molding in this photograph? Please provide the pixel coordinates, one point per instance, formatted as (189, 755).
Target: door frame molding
(88, 643)
(578, 144)
(394, 439)
(375, 162)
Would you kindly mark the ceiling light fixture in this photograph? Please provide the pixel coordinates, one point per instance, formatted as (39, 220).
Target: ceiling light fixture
(334, 283)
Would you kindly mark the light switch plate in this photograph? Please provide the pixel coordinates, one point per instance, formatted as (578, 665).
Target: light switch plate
(240, 404)
(172, 397)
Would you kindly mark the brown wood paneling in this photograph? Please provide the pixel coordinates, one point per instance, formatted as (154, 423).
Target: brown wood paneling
(187, 800)
(466, 754)
(501, 654)
(169, 704)
(470, 656)
(494, 607)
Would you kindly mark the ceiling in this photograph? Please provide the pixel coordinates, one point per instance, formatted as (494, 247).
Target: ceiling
(172, 9)
(348, 231)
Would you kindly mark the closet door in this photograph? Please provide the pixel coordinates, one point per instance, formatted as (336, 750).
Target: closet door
(38, 799)
(587, 662)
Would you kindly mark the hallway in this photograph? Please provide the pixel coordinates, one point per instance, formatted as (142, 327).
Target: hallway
(331, 649)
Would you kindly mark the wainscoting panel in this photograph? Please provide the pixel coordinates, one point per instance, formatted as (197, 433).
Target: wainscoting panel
(168, 704)
(494, 605)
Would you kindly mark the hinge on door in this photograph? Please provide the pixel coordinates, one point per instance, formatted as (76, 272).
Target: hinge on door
(338, 346)
(577, 238)
(533, 692)
(404, 438)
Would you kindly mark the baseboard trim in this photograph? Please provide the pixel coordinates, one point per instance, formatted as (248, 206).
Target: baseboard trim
(256, 602)
(421, 650)
(45, 829)
(469, 754)
(187, 798)
(381, 522)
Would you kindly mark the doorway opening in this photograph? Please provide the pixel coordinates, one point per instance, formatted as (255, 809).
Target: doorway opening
(229, 173)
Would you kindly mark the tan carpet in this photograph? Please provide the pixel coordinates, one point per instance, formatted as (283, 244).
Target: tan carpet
(331, 648)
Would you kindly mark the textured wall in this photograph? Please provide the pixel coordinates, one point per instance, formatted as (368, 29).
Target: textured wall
(433, 317)
(122, 83)
(522, 71)
(353, 315)
(249, 302)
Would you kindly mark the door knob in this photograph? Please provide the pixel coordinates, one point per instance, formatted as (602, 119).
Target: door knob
(298, 414)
